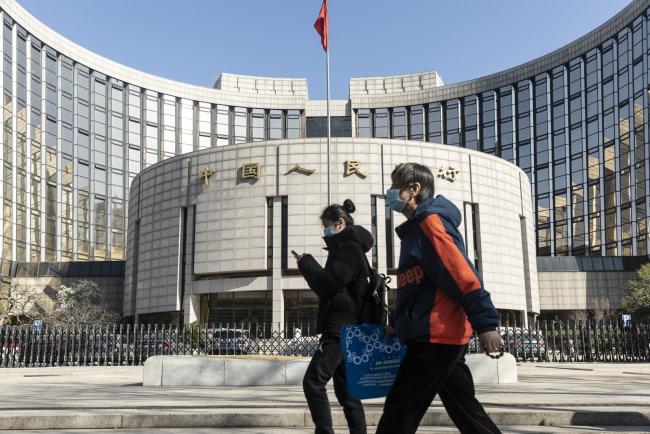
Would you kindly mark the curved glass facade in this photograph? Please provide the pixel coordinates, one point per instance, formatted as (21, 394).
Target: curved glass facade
(580, 132)
(74, 138)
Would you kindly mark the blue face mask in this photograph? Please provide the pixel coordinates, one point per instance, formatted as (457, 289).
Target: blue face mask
(329, 231)
(394, 201)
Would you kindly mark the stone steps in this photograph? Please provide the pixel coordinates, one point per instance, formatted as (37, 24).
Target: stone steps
(294, 418)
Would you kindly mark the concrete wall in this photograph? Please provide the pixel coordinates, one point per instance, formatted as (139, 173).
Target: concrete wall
(579, 290)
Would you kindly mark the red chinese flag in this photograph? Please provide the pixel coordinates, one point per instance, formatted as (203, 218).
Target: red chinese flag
(321, 25)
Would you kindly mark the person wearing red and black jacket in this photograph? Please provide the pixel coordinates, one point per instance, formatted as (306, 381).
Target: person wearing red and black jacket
(440, 299)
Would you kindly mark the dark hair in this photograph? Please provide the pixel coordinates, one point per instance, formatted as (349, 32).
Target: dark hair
(335, 211)
(405, 174)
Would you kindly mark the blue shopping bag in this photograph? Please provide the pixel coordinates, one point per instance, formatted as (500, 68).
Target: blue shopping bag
(371, 364)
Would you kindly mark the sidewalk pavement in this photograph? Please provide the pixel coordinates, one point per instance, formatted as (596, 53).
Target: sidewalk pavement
(422, 430)
(555, 395)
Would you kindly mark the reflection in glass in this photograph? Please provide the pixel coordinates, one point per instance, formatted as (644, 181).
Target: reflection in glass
(275, 124)
(258, 126)
(50, 222)
(205, 125)
(594, 233)
(626, 222)
(35, 248)
(594, 198)
(380, 122)
(293, 124)
(544, 241)
(99, 250)
(561, 210)
(578, 236)
(488, 114)
(543, 209)
(240, 124)
(610, 226)
(223, 128)
(363, 123)
(416, 123)
(434, 128)
(398, 124)
(561, 238)
(187, 125)
(453, 123)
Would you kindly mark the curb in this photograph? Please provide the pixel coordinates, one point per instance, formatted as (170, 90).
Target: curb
(217, 371)
(289, 418)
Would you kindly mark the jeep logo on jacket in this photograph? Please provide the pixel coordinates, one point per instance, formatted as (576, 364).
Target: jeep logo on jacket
(440, 295)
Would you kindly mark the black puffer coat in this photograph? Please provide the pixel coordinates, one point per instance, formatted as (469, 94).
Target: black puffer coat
(342, 284)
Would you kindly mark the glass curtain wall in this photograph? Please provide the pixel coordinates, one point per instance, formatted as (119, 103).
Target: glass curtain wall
(73, 139)
(579, 131)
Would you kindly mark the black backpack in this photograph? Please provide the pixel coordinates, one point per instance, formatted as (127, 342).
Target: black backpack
(373, 309)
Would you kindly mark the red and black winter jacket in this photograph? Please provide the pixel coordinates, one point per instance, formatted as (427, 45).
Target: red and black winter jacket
(438, 287)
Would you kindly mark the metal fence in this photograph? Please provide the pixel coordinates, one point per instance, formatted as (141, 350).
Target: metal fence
(128, 345)
(575, 341)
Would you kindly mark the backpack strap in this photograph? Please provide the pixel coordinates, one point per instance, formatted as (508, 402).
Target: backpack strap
(386, 280)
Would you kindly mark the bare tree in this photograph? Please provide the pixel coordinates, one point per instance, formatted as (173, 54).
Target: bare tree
(81, 303)
(17, 304)
(602, 309)
(579, 316)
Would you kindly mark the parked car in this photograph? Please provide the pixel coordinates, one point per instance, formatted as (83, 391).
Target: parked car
(226, 341)
(10, 351)
(299, 345)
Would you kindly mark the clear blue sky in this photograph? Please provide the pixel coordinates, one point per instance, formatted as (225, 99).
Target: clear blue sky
(195, 40)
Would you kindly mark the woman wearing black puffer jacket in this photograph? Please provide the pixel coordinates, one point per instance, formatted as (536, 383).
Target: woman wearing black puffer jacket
(340, 288)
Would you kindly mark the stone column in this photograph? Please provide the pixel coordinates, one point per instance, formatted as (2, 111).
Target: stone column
(191, 304)
(381, 240)
(192, 308)
(276, 278)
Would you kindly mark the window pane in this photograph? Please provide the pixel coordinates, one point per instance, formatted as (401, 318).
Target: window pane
(381, 123)
(435, 123)
(293, 124)
(257, 125)
(416, 123)
(399, 123)
(363, 123)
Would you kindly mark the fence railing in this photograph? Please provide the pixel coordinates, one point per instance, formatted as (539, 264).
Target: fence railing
(575, 341)
(128, 345)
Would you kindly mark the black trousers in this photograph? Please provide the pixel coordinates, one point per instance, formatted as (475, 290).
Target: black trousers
(325, 364)
(427, 370)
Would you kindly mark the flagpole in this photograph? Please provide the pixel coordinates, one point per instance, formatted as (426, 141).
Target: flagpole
(329, 126)
(322, 27)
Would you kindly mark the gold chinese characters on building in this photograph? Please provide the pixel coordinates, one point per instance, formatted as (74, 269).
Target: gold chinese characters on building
(354, 166)
(299, 168)
(448, 173)
(250, 171)
(205, 175)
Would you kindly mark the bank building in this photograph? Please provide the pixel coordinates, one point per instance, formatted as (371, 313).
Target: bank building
(184, 202)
